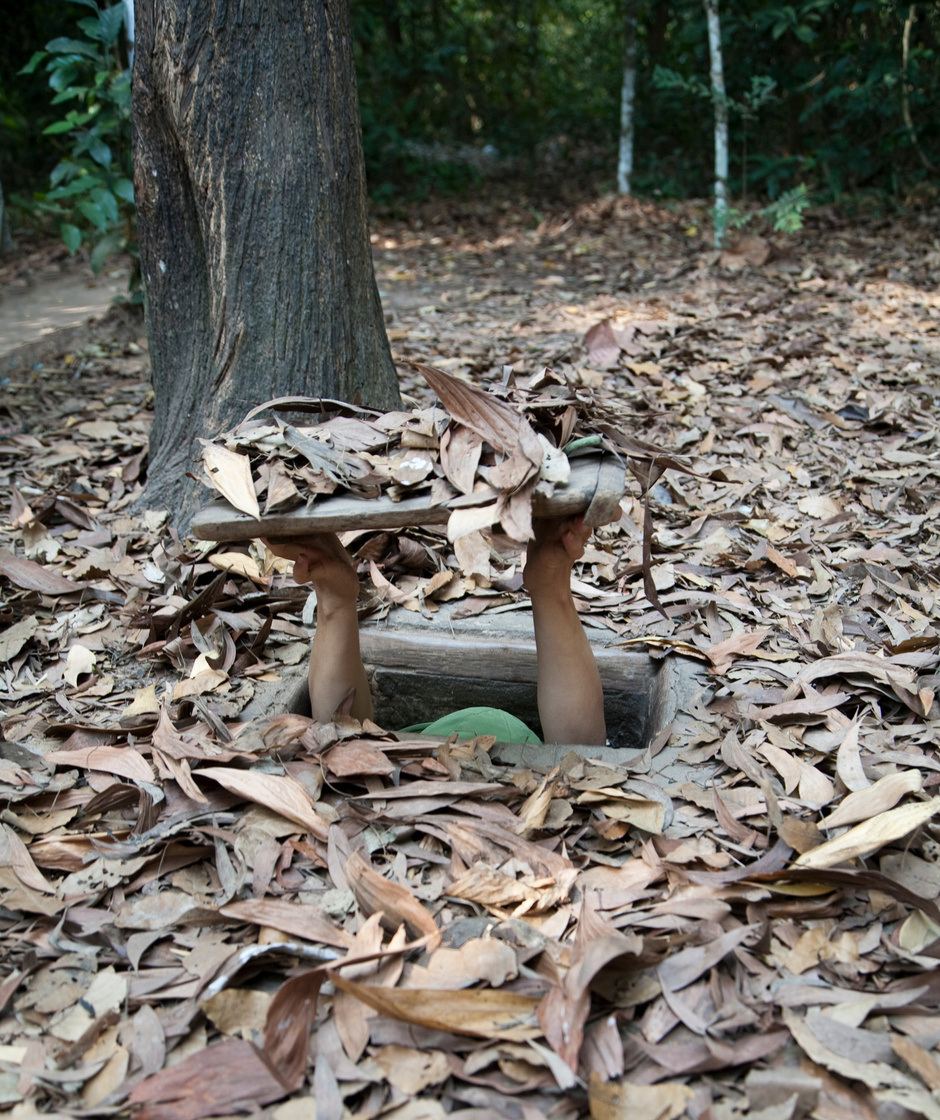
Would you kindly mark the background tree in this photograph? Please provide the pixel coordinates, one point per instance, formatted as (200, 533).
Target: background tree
(720, 104)
(455, 90)
(627, 96)
(6, 239)
(251, 207)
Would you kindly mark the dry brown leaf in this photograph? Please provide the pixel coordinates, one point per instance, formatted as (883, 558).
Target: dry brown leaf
(870, 836)
(482, 1013)
(282, 793)
(489, 887)
(872, 1073)
(296, 918)
(110, 760)
(145, 702)
(16, 636)
(398, 905)
(565, 1009)
(14, 854)
(214, 1081)
(641, 812)
(723, 653)
(918, 1059)
(867, 802)
(236, 1011)
(230, 474)
(412, 1071)
(502, 426)
(533, 810)
(686, 966)
(34, 577)
(849, 762)
(289, 1024)
(357, 757)
(490, 959)
(351, 1018)
(818, 506)
(240, 564)
(627, 1100)
(460, 456)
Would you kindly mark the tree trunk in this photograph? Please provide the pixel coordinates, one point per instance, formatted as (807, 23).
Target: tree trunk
(129, 29)
(905, 99)
(720, 101)
(251, 205)
(627, 92)
(6, 239)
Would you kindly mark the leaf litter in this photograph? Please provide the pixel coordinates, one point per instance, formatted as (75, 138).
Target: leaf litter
(205, 915)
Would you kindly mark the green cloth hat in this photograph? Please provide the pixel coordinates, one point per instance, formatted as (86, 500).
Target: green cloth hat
(469, 722)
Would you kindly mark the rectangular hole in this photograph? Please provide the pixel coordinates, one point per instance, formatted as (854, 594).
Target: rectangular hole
(420, 677)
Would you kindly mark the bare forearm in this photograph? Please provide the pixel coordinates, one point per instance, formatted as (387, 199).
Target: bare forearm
(336, 665)
(570, 696)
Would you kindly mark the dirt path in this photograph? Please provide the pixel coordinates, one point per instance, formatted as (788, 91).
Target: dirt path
(43, 290)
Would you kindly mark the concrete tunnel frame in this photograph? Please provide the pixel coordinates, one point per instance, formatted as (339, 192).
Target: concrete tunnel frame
(421, 669)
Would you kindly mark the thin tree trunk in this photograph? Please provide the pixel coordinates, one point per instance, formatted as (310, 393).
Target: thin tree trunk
(627, 93)
(129, 29)
(251, 205)
(6, 240)
(905, 102)
(720, 101)
(533, 108)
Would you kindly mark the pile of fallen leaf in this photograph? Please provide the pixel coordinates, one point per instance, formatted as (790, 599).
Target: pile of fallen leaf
(178, 886)
(482, 455)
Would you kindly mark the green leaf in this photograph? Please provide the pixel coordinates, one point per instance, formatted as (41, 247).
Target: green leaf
(120, 91)
(30, 67)
(55, 129)
(124, 188)
(102, 197)
(100, 152)
(111, 20)
(106, 26)
(91, 25)
(72, 236)
(94, 213)
(73, 46)
(84, 184)
(63, 77)
(111, 243)
(64, 170)
(69, 94)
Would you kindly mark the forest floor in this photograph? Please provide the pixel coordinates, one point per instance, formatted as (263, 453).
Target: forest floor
(761, 940)
(43, 290)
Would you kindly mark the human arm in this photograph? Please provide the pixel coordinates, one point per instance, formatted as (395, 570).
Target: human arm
(570, 696)
(336, 667)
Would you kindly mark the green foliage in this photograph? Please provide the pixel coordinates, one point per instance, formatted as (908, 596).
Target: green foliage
(92, 192)
(760, 92)
(453, 92)
(784, 214)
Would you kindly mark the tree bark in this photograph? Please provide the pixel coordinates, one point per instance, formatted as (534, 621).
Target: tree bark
(905, 99)
(6, 239)
(251, 206)
(627, 94)
(720, 101)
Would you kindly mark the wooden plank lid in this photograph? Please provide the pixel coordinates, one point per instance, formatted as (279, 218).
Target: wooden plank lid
(594, 488)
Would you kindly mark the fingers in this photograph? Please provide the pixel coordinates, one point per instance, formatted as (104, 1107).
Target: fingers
(574, 542)
(570, 532)
(318, 546)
